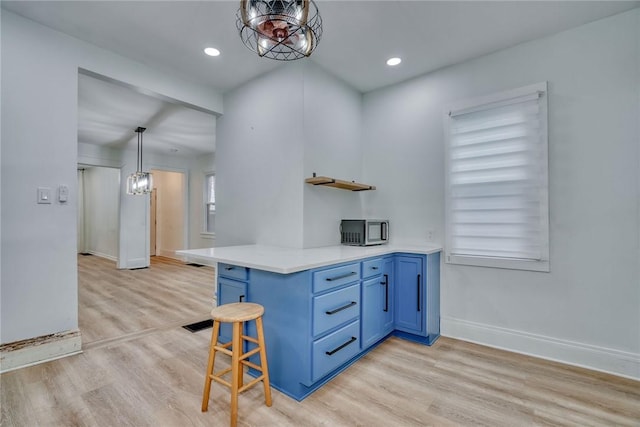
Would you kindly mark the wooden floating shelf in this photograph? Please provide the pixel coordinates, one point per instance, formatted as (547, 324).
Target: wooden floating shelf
(338, 183)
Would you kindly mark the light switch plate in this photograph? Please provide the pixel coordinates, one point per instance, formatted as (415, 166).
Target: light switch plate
(63, 194)
(44, 195)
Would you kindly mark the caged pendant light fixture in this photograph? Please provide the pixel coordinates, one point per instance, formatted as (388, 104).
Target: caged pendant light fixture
(284, 30)
(139, 182)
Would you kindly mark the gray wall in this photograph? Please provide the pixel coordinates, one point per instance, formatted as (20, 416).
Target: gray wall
(587, 309)
(259, 162)
(332, 147)
(39, 135)
(276, 131)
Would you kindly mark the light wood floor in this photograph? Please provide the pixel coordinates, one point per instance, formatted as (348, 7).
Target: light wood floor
(115, 303)
(154, 377)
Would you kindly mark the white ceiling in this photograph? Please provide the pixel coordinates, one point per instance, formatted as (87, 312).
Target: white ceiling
(109, 113)
(358, 37)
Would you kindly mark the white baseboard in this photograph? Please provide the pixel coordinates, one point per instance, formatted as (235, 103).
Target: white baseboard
(21, 354)
(616, 362)
(168, 254)
(101, 255)
(136, 263)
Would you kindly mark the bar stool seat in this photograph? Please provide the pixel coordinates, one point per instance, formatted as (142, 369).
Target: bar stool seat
(237, 314)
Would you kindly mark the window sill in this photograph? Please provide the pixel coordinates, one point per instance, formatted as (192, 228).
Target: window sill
(510, 264)
(205, 235)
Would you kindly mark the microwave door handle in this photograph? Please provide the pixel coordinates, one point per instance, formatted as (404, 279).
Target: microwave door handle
(385, 231)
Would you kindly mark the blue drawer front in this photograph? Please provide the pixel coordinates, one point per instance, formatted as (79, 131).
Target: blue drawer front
(324, 280)
(371, 267)
(335, 308)
(335, 349)
(233, 271)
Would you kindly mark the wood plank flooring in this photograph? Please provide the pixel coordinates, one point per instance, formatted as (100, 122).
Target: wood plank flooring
(154, 377)
(115, 303)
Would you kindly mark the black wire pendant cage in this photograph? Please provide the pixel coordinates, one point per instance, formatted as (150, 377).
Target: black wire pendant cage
(283, 30)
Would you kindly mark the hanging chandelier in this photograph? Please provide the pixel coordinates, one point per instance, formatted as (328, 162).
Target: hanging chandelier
(139, 182)
(280, 29)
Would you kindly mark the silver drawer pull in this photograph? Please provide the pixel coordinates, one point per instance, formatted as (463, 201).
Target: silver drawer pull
(228, 268)
(330, 279)
(374, 268)
(344, 307)
(330, 353)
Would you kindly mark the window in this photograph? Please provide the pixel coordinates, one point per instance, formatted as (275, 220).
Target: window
(497, 212)
(210, 203)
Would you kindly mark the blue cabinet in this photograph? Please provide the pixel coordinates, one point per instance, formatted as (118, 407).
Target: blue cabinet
(417, 297)
(377, 301)
(230, 290)
(319, 321)
(336, 318)
(388, 277)
(410, 292)
(334, 308)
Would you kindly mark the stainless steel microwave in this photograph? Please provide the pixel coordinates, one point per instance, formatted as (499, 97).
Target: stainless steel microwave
(364, 232)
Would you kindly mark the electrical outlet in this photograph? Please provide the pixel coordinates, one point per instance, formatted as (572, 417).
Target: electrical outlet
(430, 235)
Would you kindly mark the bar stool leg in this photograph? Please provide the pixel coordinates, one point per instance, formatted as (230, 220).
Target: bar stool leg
(235, 370)
(212, 355)
(263, 362)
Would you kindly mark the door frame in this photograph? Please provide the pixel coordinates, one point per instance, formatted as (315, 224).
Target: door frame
(185, 198)
(84, 162)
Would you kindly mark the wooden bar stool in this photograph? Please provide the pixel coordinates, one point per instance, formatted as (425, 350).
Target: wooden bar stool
(237, 313)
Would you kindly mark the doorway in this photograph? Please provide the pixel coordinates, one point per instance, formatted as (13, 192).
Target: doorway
(167, 213)
(98, 211)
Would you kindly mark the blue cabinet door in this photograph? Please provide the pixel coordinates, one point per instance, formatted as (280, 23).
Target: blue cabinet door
(387, 282)
(372, 311)
(377, 303)
(409, 295)
(229, 291)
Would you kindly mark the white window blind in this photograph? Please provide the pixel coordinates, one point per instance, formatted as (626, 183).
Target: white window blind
(210, 203)
(497, 185)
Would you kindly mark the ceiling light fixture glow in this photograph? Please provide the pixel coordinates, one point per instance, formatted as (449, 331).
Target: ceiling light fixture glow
(212, 51)
(392, 62)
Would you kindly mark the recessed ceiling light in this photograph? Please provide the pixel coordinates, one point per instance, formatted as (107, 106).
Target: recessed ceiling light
(393, 61)
(212, 51)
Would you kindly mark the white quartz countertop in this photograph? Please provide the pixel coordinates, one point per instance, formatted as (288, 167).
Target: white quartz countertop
(291, 260)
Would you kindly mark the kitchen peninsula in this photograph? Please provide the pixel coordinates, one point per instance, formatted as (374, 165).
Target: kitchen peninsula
(326, 307)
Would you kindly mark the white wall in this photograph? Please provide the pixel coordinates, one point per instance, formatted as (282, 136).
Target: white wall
(587, 309)
(170, 215)
(332, 147)
(277, 130)
(101, 206)
(259, 161)
(39, 135)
